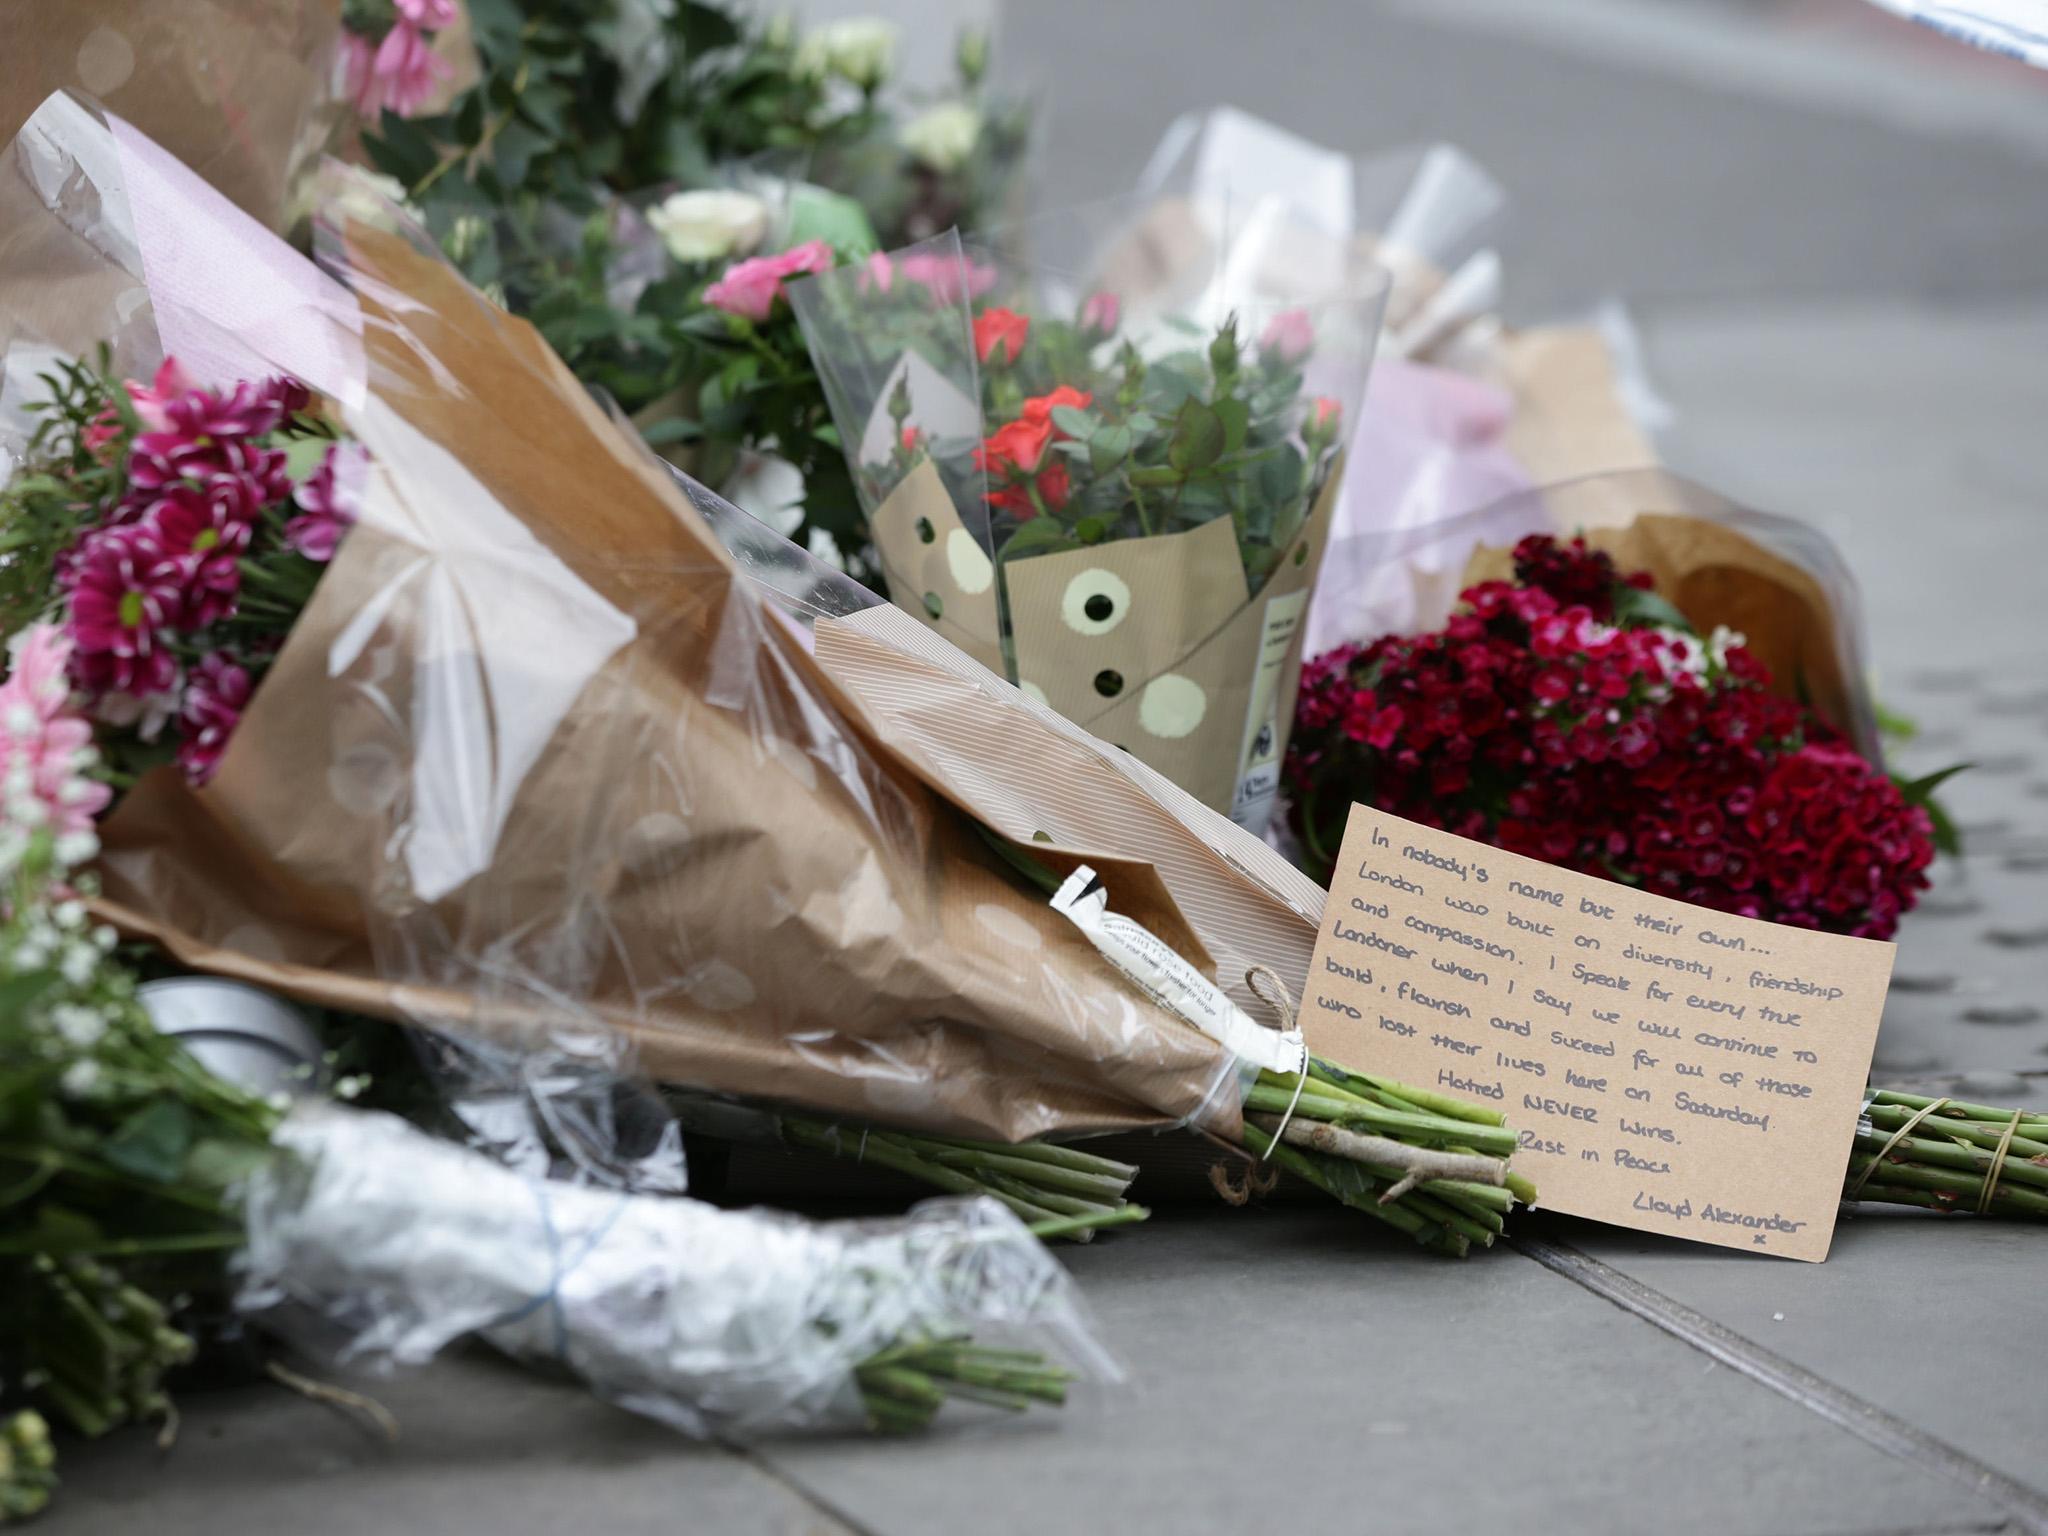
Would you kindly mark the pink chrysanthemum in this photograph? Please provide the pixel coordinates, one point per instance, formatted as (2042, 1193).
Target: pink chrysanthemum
(126, 599)
(216, 693)
(327, 501)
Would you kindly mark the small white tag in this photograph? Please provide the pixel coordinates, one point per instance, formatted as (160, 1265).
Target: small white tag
(1156, 970)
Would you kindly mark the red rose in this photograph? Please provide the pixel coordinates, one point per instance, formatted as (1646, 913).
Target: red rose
(999, 336)
(1040, 407)
(1017, 448)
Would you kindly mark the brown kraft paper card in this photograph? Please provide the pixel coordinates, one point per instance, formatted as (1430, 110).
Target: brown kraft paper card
(1668, 1067)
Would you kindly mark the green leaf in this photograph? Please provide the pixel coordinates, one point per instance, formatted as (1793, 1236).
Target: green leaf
(1108, 448)
(1635, 607)
(1893, 724)
(1074, 423)
(1040, 536)
(1236, 417)
(217, 1163)
(21, 989)
(839, 221)
(1948, 837)
(1921, 790)
(1198, 437)
(152, 1143)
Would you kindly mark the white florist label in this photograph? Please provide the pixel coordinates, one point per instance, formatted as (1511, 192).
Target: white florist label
(1163, 975)
(1258, 758)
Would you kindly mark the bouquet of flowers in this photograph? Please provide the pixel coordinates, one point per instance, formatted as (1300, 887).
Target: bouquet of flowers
(1464, 410)
(242, 91)
(1573, 715)
(172, 534)
(635, 178)
(1120, 511)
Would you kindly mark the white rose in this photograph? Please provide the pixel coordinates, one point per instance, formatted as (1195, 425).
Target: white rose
(704, 226)
(944, 137)
(859, 51)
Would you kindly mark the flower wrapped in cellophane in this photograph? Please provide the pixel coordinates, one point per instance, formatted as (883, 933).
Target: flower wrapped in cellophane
(1117, 502)
(1464, 409)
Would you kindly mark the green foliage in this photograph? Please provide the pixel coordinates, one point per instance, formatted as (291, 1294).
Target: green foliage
(117, 1152)
(586, 107)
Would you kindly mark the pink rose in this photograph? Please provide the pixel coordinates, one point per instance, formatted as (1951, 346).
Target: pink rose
(1288, 337)
(1324, 415)
(750, 288)
(949, 279)
(1100, 313)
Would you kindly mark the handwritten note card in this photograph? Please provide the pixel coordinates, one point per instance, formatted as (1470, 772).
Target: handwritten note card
(1667, 1066)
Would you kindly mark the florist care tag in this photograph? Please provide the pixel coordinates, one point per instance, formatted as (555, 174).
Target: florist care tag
(1154, 968)
(1667, 1066)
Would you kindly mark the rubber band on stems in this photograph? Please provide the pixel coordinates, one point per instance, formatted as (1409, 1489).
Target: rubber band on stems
(1884, 1151)
(1997, 1168)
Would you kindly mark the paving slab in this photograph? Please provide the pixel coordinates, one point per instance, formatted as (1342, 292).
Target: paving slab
(1935, 1320)
(1295, 1367)
(483, 1446)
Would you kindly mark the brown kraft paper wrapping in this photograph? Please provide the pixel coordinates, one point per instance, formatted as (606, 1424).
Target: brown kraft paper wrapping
(533, 763)
(240, 90)
(1187, 671)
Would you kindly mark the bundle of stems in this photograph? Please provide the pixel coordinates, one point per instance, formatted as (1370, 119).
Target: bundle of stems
(905, 1385)
(104, 1345)
(1425, 1163)
(1945, 1156)
(1058, 1191)
(28, 1466)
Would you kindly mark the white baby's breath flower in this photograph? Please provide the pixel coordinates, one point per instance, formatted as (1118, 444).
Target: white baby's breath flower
(943, 137)
(79, 963)
(74, 848)
(80, 1078)
(104, 939)
(68, 915)
(709, 225)
(80, 1027)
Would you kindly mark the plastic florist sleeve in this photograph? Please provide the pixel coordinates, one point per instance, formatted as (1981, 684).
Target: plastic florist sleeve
(242, 91)
(716, 1322)
(533, 766)
(1463, 410)
(1118, 501)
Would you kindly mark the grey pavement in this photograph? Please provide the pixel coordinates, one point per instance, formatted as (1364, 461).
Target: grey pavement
(1832, 232)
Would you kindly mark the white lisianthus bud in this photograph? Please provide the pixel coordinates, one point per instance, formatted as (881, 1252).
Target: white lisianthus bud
(860, 50)
(709, 226)
(466, 237)
(943, 137)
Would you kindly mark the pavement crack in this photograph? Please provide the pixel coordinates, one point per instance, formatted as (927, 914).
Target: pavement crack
(843, 1523)
(2026, 1507)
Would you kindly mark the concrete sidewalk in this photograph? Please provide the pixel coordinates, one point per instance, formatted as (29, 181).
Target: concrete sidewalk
(1844, 297)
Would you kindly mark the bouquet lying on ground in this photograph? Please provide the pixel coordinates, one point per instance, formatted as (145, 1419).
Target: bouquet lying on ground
(1573, 716)
(1121, 514)
(634, 179)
